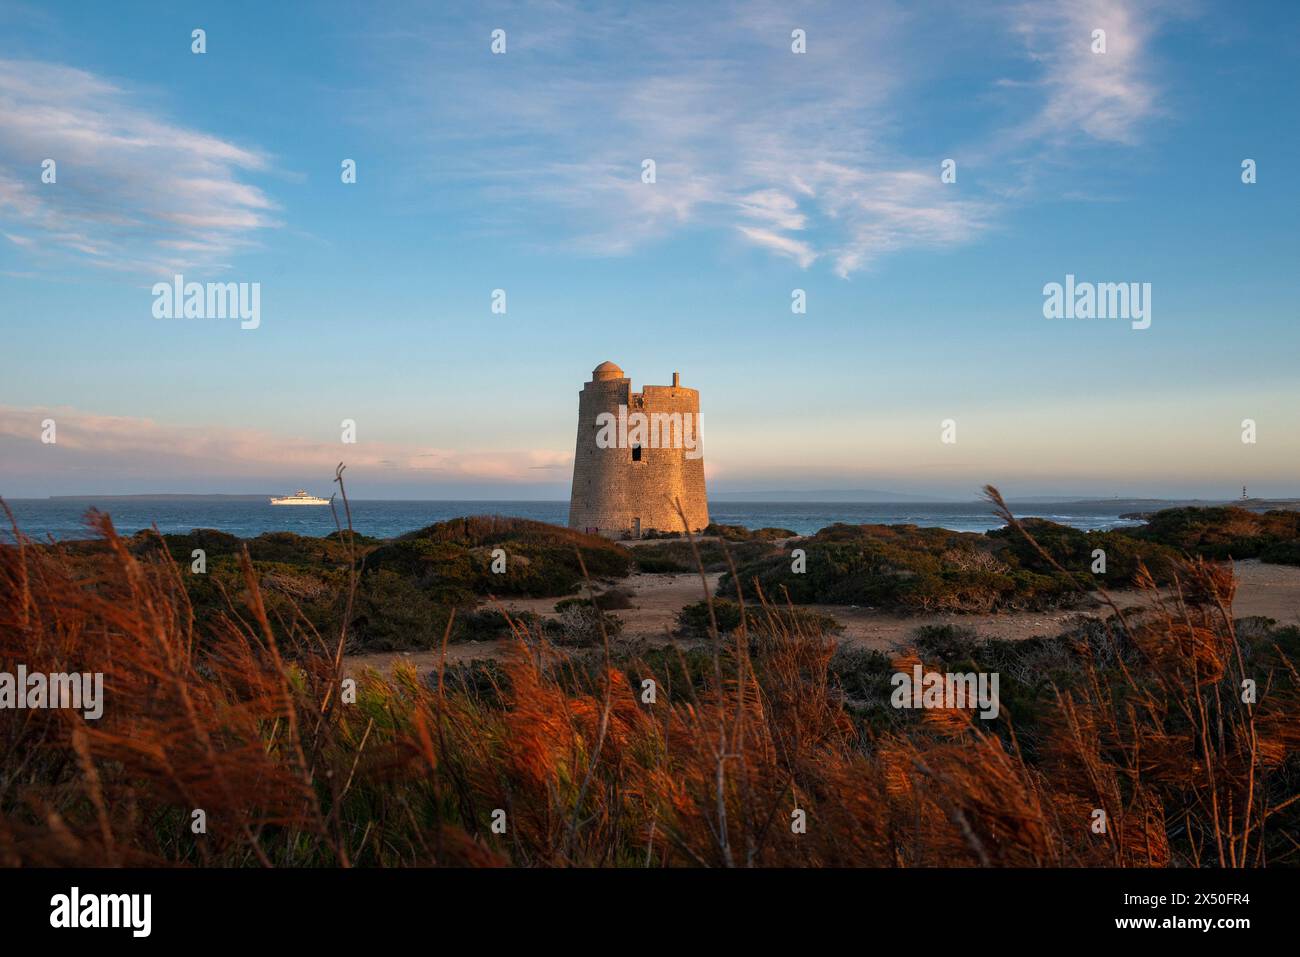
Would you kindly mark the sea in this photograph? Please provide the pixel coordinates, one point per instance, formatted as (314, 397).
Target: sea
(65, 519)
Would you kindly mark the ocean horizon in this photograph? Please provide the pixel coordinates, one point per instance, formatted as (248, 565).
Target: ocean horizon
(64, 519)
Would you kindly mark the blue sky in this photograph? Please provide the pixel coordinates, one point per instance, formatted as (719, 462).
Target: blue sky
(775, 171)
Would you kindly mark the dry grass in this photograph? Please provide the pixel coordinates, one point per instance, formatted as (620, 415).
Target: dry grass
(216, 716)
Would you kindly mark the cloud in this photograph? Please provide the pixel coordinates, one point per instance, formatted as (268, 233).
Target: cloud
(120, 447)
(883, 211)
(799, 251)
(740, 128)
(1105, 96)
(778, 209)
(803, 156)
(133, 192)
(799, 155)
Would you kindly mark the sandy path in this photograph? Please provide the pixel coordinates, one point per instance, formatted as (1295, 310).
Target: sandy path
(656, 599)
(1272, 591)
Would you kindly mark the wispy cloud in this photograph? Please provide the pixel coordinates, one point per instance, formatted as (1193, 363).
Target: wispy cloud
(134, 192)
(803, 155)
(1105, 96)
(798, 250)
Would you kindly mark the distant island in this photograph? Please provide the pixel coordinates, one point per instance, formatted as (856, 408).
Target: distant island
(1249, 504)
(826, 495)
(159, 497)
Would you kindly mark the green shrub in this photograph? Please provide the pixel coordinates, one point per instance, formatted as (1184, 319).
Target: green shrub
(393, 612)
(1226, 532)
(580, 626)
(1281, 553)
(490, 624)
(906, 568)
(677, 557)
(448, 573)
(1073, 550)
(541, 560)
(659, 561)
(693, 620)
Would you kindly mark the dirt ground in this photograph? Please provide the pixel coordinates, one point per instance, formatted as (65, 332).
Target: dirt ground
(1271, 591)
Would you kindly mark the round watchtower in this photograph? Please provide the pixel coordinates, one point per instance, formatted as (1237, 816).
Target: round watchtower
(637, 455)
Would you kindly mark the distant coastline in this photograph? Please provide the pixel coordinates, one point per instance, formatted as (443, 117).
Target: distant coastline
(153, 497)
(1137, 507)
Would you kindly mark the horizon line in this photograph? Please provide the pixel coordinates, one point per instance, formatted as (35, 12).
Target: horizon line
(731, 496)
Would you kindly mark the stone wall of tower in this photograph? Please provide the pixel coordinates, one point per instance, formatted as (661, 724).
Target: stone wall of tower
(611, 490)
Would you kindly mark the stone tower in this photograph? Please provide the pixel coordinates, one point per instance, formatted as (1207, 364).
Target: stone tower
(637, 453)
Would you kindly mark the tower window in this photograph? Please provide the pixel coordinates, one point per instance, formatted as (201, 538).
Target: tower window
(636, 453)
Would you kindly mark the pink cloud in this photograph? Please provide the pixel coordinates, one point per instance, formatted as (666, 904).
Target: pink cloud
(122, 447)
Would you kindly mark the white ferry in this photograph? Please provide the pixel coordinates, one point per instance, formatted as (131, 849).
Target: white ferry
(300, 497)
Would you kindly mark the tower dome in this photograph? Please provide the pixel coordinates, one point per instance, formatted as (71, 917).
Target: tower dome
(606, 370)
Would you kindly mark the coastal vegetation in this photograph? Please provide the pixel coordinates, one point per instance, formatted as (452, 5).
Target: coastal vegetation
(715, 555)
(408, 589)
(923, 570)
(1227, 533)
(703, 619)
(556, 757)
(451, 575)
(904, 567)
